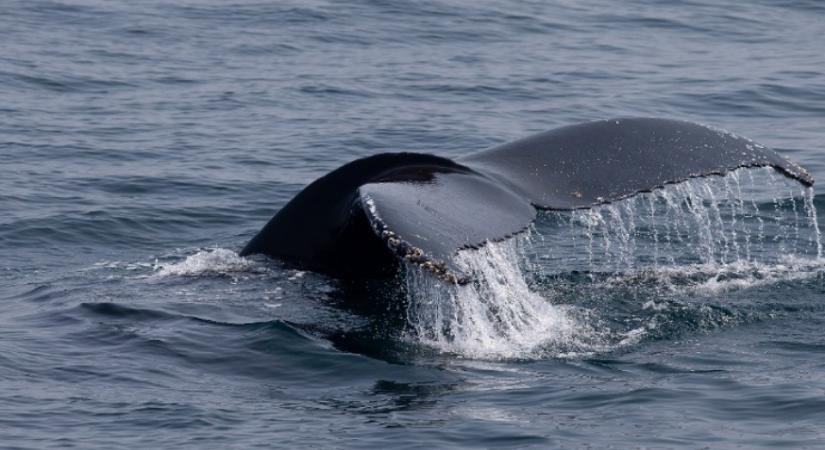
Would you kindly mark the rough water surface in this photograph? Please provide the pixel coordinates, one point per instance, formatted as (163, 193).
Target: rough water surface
(143, 143)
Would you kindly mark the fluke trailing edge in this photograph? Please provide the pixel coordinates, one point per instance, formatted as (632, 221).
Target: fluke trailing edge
(362, 219)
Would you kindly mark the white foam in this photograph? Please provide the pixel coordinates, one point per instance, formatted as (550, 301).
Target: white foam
(497, 316)
(213, 261)
(717, 278)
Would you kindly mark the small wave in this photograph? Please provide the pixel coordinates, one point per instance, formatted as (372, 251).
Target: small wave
(717, 278)
(62, 83)
(216, 261)
(119, 311)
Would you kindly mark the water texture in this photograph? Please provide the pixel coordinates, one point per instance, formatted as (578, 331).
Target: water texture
(143, 143)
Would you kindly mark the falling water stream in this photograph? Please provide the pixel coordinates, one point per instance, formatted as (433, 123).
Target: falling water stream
(661, 249)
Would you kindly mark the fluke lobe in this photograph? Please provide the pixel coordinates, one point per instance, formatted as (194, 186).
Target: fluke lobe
(366, 217)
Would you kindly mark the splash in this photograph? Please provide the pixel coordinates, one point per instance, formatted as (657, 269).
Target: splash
(714, 222)
(214, 261)
(591, 281)
(699, 279)
(497, 316)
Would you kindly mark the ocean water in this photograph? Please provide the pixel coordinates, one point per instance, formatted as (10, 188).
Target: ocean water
(143, 143)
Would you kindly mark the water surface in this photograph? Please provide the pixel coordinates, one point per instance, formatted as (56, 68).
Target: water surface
(143, 143)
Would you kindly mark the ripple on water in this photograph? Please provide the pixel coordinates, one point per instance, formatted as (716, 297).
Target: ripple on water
(142, 142)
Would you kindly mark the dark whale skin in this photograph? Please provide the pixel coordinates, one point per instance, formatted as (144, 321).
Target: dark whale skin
(366, 217)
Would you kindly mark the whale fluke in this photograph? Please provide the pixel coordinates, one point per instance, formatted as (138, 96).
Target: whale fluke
(362, 219)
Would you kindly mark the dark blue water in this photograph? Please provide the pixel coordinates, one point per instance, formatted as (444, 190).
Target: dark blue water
(143, 143)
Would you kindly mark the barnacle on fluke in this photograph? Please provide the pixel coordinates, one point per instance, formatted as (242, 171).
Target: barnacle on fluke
(366, 217)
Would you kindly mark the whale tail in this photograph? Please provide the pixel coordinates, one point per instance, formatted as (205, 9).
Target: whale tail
(362, 219)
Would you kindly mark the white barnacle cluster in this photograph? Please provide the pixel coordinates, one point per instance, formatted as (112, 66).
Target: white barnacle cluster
(392, 239)
(440, 270)
(417, 256)
(407, 252)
